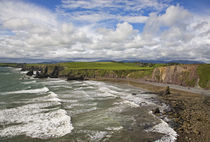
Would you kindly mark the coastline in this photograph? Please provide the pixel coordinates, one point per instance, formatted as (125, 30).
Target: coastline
(189, 111)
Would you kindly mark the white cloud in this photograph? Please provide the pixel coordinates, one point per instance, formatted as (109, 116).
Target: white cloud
(92, 11)
(35, 32)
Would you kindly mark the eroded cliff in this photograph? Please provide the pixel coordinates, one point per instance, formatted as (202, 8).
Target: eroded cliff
(184, 75)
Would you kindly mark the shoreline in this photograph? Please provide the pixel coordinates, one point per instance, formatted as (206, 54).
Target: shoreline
(189, 111)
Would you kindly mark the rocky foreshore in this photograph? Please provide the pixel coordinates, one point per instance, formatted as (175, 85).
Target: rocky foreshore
(189, 112)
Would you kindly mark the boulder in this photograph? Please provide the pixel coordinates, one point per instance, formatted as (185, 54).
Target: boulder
(76, 77)
(133, 94)
(156, 111)
(42, 74)
(30, 73)
(166, 91)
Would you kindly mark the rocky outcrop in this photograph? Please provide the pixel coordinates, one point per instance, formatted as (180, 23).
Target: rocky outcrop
(30, 73)
(156, 111)
(184, 75)
(166, 91)
(42, 73)
(77, 77)
(55, 72)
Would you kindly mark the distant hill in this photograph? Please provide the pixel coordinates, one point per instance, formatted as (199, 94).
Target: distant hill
(51, 61)
(162, 61)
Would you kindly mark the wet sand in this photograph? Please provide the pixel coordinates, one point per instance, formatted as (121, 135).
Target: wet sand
(190, 111)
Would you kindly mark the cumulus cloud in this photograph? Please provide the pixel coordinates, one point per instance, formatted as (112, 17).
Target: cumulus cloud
(31, 31)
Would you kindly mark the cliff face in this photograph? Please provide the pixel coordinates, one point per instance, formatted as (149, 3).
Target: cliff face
(184, 75)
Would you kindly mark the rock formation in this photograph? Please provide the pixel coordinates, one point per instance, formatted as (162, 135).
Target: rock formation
(184, 75)
(30, 73)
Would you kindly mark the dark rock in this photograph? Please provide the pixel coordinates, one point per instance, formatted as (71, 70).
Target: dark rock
(55, 72)
(166, 91)
(149, 93)
(45, 70)
(147, 126)
(142, 103)
(30, 73)
(134, 94)
(156, 111)
(76, 77)
(42, 74)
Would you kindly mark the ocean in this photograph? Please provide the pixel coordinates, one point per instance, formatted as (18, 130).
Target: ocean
(56, 110)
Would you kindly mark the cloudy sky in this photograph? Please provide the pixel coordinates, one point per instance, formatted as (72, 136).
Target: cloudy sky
(105, 29)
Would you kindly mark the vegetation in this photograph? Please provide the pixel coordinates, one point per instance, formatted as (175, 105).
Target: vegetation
(8, 65)
(117, 68)
(140, 74)
(204, 75)
(103, 65)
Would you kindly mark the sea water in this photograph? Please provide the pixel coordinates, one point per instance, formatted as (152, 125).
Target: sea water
(57, 110)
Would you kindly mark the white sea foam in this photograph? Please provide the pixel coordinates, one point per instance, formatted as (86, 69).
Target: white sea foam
(32, 121)
(17, 69)
(51, 97)
(97, 136)
(164, 128)
(95, 83)
(114, 128)
(32, 91)
(29, 82)
(61, 86)
(130, 103)
(54, 82)
(82, 104)
(52, 94)
(69, 101)
(107, 90)
(23, 72)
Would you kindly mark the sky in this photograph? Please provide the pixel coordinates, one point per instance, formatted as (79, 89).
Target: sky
(105, 29)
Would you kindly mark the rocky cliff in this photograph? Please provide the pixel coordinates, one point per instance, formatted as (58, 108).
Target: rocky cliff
(184, 75)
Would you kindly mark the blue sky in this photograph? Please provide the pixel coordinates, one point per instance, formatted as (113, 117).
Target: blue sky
(105, 29)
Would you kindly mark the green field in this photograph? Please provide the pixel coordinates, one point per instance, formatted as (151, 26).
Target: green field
(8, 64)
(98, 65)
(204, 75)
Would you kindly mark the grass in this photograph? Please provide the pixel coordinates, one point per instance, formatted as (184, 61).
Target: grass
(8, 64)
(140, 74)
(121, 69)
(204, 75)
(103, 65)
